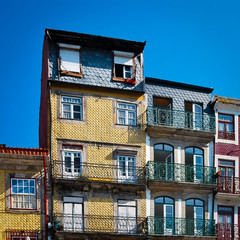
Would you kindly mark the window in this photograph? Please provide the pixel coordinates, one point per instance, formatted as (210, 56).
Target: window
(72, 162)
(127, 213)
(126, 168)
(126, 114)
(73, 214)
(195, 216)
(22, 235)
(194, 168)
(163, 162)
(123, 64)
(69, 58)
(193, 116)
(164, 215)
(72, 108)
(23, 193)
(226, 126)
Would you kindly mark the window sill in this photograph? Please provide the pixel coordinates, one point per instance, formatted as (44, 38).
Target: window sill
(71, 119)
(73, 74)
(125, 80)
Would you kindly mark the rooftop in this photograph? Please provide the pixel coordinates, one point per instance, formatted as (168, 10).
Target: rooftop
(94, 41)
(228, 100)
(178, 85)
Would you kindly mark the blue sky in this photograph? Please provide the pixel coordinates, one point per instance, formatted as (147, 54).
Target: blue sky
(190, 41)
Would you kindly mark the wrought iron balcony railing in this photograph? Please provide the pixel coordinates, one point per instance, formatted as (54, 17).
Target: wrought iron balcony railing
(181, 226)
(227, 231)
(180, 172)
(228, 185)
(99, 172)
(180, 119)
(100, 224)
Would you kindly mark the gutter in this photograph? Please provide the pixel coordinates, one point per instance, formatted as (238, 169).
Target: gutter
(45, 197)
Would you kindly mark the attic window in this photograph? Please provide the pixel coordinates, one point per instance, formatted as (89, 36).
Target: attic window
(123, 65)
(69, 59)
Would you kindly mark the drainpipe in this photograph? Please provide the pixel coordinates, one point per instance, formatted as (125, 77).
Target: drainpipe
(45, 197)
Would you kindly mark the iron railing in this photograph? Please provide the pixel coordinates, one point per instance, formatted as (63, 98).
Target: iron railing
(227, 231)
(181, 226)
(100, 224)
(228, 185)
(180, 119)
(99, 172)
(180, 172)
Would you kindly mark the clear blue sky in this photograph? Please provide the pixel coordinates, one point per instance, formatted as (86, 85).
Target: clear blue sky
(190, 41)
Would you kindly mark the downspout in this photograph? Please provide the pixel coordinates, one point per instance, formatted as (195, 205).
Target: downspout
(45, 197)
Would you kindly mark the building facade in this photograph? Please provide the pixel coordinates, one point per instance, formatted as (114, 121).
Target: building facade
(92, 118)
(23, 213)
(179, 154)
(227, 153)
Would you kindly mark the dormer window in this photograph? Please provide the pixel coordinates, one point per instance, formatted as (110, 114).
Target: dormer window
(69, 59)
(123, 66)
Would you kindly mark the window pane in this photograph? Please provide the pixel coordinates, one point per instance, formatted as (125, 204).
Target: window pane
(190, 202)
(168, 200)
(20, 182)
(159, 200)
(229, 127)
(198, 151)
(122, 105)
(14, 182)
(77, 116)
(198, 202)
(168, 148)
(189, 150)
(119, 70)
(225, 117)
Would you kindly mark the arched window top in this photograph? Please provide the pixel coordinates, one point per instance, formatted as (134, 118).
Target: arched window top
(194, 202)
(164, 200)
(194, 151)
(163, 147)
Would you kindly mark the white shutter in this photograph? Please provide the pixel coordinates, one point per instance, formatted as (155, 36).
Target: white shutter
(70, 60)
(123, 60)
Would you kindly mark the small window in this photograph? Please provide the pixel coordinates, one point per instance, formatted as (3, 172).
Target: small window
(126, 114)
(23, 193)
(226, 126)
(69, 58)
(126, 168)
(71, 108)
(123, 65)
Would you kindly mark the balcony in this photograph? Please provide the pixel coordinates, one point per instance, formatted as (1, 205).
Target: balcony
(100, 224)
(227, 231)
(180, 226)
(228, 185)
(98, 174)
(161, 121)
(165, 172)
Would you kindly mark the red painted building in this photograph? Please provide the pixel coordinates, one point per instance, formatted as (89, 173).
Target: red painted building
(227, 155)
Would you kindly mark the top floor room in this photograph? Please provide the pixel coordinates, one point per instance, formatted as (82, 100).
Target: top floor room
(93, 60)
(179, 109)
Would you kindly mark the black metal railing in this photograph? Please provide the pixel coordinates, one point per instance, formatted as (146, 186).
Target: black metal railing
(181, 226)
(227, 231)
(228, 185)
(100, 224)
(180, 119)
(180, 172)
(98, 172)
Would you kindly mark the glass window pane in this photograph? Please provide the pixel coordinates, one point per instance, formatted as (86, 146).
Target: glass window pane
(20, 189)
(159, 200)
(221, 127)
(229, 127)
(158, 147)
(168, 200)
(198, 151)
(20, 182)
(14, 189)
(190, 202)
(189, 150)
(14, 182)
(198, 202)
(168, 148)
(225, 117)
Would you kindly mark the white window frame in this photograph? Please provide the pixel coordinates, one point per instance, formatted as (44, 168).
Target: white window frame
(126, 60)
(126, 110)
(71, 173)
(127, 178)
(71, 104)
(23, 195)
(67, 65)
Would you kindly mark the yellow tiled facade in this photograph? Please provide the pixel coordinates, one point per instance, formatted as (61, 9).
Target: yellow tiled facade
(99, 133)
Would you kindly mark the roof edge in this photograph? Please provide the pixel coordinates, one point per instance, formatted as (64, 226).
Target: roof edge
(178, 84)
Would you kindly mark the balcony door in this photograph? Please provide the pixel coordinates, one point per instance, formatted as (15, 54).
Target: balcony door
(163, 162)
(72, 163)
(194, 169)
(126, 169)
(194, 116)
(226, 179)
(73, 214)
(225, 222)
(162, 111)
(127, 212)
(164, 216)
(194, 217)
